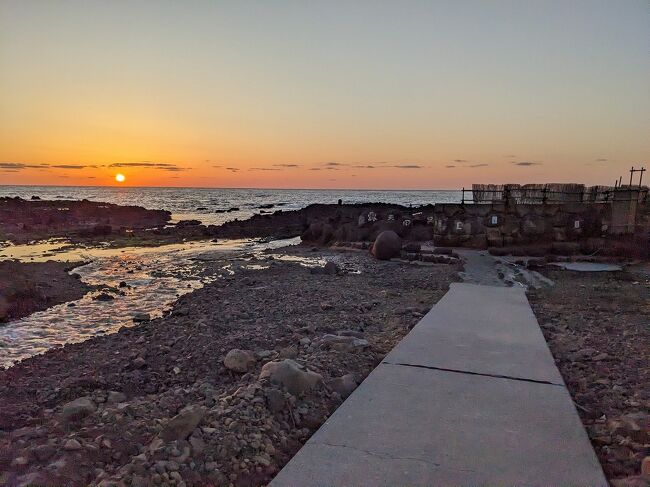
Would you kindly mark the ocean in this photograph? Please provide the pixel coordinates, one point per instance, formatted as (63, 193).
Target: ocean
(209, 205)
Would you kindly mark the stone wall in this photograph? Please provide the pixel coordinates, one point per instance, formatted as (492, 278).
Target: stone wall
(498, 224)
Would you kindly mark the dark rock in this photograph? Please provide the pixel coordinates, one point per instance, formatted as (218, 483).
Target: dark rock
(77, 409)
(275, 400)
(387, 245)
(239, 360)
(183, 424)
(103, 297)
(188, 223)
(343, 385)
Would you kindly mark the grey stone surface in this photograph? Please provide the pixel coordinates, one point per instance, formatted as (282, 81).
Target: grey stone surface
(480, 329)
(419, 427)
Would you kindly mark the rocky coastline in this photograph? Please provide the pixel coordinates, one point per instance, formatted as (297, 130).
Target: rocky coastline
(221, 391)
(226, 387)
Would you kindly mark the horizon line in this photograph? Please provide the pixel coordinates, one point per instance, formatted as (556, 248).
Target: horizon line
(215, 187)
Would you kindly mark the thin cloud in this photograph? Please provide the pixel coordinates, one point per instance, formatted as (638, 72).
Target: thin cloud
(601, 159)
(314, 168)
(163, 166)
(334, 164)
(263, 169)
(141, 164)
(72, 166)
(17, 166)
(217, 166)
(286, 165)
(526, 163)
(407, 166)
(466, 163)
(232, 169)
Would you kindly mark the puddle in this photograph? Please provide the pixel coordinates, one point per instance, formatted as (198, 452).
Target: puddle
(154, 276)
(588, 266)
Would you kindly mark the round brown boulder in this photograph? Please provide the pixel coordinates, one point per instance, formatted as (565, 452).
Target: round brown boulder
(387, 245)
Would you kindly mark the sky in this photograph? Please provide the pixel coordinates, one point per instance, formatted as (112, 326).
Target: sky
(330, 94)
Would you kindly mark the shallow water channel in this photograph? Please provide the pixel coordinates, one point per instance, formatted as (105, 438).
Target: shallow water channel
(152, 278)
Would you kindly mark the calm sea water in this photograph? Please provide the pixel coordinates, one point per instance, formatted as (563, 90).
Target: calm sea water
(203, 204)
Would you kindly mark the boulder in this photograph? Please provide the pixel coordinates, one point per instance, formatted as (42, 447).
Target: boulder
(290, 375)
(183, 424)
(239, 360)
(343, 385)
(387, 245)
(78, 409)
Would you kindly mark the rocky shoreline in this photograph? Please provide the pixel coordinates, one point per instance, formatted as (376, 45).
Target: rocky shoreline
(26, 287)
(22, 220)
(168, 402)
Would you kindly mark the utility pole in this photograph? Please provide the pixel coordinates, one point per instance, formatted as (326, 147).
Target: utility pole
(640, 171)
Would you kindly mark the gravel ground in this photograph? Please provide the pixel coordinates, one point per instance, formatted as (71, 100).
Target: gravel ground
(100, 412)
(598, 328)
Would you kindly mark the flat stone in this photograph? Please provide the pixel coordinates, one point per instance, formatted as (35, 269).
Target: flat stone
(415, 426)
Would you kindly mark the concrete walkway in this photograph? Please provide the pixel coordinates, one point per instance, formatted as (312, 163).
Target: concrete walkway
(471, 396)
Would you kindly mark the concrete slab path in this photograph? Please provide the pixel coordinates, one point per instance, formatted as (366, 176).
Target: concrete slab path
(483, 330)
(471, 396)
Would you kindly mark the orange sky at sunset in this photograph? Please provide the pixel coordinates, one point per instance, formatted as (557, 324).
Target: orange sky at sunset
(421, 95)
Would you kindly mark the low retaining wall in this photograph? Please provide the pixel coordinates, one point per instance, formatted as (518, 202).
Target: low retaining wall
(498, 224)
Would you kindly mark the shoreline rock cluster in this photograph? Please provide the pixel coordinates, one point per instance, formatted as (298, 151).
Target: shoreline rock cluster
(24, 220)
(221, 391)
(26, 287)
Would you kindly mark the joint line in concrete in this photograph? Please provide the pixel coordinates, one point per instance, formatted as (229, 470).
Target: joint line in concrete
(457, 371)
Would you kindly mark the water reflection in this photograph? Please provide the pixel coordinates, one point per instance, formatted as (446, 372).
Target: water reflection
(140, 280)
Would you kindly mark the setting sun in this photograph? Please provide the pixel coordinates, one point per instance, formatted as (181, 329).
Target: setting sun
(119, 178)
